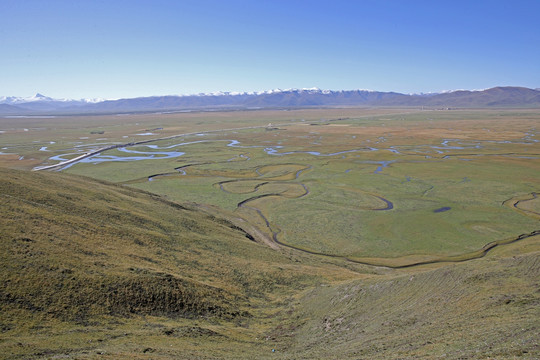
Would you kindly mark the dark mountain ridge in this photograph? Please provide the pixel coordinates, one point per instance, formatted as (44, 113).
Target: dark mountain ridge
(508, 96)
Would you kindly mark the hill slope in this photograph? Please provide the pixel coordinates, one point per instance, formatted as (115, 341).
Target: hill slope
(74, 252)
(476, 310)
(92, 269)
(10, 109)
(99, 245)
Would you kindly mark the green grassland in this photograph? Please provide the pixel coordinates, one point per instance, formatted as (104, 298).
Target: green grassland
(247, 242)
(23, 137)
(470, 162)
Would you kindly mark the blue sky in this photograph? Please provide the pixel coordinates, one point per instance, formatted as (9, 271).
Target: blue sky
(115, 49)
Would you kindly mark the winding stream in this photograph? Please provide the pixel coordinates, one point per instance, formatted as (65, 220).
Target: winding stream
(160, 152)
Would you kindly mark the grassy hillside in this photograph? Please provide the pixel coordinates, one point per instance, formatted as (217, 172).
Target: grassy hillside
(484, 309)
(75, 251)
(91, 269)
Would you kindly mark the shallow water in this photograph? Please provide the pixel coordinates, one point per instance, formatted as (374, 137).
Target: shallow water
(148, 155)
(274, 151)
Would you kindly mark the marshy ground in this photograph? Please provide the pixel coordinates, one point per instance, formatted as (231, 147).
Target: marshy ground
(334, 211)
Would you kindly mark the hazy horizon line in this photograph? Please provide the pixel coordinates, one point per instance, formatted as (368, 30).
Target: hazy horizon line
(253, 92)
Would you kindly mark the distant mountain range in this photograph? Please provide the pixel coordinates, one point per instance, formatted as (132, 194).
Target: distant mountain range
(513, 97)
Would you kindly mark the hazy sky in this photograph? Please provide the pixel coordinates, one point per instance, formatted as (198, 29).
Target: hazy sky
(115, 49)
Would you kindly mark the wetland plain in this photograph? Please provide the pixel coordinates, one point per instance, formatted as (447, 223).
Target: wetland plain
(329, 202)
(393, 187)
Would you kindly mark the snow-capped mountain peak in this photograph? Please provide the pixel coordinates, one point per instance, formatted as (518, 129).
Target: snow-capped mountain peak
(13, 100)
(40, 98)
(291, 97)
